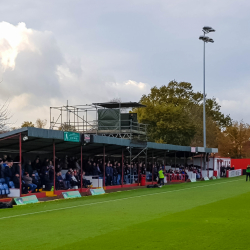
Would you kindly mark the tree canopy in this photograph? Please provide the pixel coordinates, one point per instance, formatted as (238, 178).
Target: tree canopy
(27, 124)
(174, 115)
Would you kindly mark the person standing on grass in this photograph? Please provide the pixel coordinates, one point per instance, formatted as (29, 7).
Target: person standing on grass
(248, 172)
(161, 177)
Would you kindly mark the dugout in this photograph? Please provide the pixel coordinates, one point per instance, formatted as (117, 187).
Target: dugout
(29, 142)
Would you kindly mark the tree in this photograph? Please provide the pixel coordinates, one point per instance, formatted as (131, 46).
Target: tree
(4, 117)
(27, 124)
(41, 123)
(118, 100)
(174, 115)
(67, 127)
(234, 140)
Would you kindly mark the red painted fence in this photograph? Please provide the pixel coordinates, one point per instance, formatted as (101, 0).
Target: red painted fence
(240, 163)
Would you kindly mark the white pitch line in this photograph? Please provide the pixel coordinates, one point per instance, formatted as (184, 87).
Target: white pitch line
(101, 202)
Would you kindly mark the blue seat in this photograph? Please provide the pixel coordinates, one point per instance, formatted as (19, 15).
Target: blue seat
(2, 189)
(11, 184)
(2, 180)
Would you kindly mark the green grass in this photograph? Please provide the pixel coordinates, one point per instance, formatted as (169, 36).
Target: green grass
(202, 215)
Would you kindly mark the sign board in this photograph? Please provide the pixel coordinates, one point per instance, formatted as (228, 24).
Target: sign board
(218, 177)
(86, 138)
(193, 180)
(234, 173)
(206, 179)
(71, 194)
(26, 200)
(214, 178)
(71, 136)
(193, 149)
(97, 191)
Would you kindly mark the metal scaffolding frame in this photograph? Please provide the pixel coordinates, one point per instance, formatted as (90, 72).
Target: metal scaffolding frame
(84, 119)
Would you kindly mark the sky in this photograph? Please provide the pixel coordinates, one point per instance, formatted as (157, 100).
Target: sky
(88, 51)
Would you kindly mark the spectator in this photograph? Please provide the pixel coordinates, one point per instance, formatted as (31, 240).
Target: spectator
(48, 182)
(16, 180)
(8, 171)
(115, 175)
(36, 180)
(28, 181)
(60, 184)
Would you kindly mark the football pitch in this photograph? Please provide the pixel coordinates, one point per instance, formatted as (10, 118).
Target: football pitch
(202, 215)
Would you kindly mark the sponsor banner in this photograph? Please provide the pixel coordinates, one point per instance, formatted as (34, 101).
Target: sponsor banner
(214, 178)
(193, 180)
(234, 173)
(26, 200)
(206, 179)
(71, 194)
(71, 136)
(97, 191)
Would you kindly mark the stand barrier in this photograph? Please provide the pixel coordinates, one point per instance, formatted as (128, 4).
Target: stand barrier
(234, 173)
(175, 177)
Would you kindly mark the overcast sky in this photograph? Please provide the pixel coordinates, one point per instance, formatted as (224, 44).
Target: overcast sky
(93, 51)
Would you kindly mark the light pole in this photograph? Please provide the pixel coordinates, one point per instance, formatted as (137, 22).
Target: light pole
(205, 39)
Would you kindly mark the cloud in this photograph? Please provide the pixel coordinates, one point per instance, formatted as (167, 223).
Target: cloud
(37, 75)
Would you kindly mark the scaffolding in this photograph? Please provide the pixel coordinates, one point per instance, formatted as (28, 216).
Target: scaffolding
(85, 119)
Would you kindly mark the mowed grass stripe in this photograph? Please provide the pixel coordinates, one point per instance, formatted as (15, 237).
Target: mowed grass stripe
(219, 225)
(119, 199)
(59, 228)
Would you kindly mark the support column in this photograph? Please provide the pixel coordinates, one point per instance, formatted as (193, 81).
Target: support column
(20, 160)
(152, 167)
(207, 165)
(81, 169)
(175, 161)
(54, 160)
(201, 165)
(165, 162)
(130, 155)
(103, 184)
(138, 171)
(122, 167)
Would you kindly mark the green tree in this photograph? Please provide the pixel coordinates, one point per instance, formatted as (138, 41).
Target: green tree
(27, 124)
(174, 115)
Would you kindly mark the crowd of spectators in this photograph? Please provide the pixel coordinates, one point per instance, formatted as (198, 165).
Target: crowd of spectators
(223, 170)
(39, 173)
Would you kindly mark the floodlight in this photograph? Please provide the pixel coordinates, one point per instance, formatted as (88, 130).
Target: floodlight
(25, 138)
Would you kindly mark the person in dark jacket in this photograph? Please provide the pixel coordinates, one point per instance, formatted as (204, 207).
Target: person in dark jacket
(16, 180)
(119, 171)
(108, 175)
(48, 182)
(126, 173)
(28, 168)
(60, 182)
(94, 169)
(36, 180)
(8, 171)
(115, 175)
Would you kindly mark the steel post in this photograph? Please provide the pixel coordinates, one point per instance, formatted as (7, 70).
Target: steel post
(20, 160)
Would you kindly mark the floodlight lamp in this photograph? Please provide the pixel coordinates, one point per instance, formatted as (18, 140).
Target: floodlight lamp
(210, 40)
(212, 30)
(207, 28)
(25, 138)
(202, 37)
